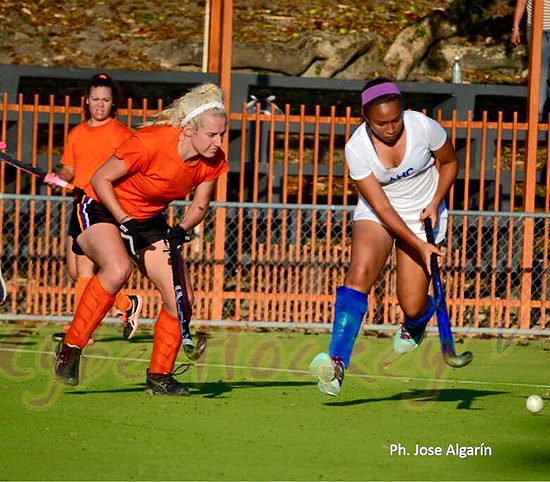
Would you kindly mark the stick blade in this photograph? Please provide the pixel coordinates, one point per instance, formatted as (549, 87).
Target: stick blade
(458, 361)
(195, 351)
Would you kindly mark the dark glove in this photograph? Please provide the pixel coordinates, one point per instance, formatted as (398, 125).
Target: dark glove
(129, 231)
(177, 234)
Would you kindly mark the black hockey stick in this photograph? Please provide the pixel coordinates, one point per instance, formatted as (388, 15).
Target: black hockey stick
(442, 314)
(34, 171)
(192, 351)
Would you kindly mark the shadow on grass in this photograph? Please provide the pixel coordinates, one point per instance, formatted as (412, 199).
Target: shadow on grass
(138, 338)
(19, 343)
(207, 390)
(463, 396)
(135, 339)
(22, 334)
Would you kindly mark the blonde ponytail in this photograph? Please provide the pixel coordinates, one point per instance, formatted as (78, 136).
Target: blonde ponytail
(184, 107)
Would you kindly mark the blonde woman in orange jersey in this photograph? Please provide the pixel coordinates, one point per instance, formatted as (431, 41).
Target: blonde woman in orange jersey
(122, 219)
(89, 145)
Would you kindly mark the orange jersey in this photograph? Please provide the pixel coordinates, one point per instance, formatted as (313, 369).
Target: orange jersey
(156, 174)
(89, 147)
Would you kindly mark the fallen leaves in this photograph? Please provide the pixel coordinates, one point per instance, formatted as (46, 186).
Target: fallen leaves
(34, 31)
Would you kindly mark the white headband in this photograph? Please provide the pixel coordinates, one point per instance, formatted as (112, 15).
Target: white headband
(199, 110)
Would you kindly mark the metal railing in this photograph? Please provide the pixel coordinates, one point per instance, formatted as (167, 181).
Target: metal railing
(285, 222)
(282, 264)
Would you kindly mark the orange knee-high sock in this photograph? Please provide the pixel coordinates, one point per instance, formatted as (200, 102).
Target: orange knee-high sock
(122, 302)
(94, 305)
(81, 283)
(166, 343)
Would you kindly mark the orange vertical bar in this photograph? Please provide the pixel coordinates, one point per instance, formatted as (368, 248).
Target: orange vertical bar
(240, 226)
(345, 182)
(290, 289)
(4, 134)
(144, 110)
(221, 188)
(300, 181)
(254, 229)
(496, 207)
(256, 165)
(465, 218)
(301, 154)
(315, 177)
(3, 171)
(480, 222)
(285, 178)
(129, 112)
(546, 235)
(511, 225)
(17, 213)
(214, 47)
(530, 171)
(270, 268)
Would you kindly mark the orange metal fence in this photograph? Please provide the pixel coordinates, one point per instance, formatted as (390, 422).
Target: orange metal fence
(286, 222)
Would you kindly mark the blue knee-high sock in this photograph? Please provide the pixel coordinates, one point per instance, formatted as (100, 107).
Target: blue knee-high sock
(349, 310)
(416, 325)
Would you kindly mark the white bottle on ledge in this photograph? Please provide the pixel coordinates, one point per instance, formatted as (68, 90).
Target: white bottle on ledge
(457, 72)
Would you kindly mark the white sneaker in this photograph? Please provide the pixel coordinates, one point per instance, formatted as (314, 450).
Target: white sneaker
(328, 373)
(404, 342)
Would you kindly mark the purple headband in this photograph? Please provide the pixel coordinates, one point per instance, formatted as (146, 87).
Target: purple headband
(377, 91)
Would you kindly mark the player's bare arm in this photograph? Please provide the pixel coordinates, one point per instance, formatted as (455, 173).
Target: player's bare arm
(448, 171)
(199, 206)
(66, 173)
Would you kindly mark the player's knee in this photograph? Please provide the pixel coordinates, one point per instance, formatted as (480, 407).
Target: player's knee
(358, 274)
(119, 272)
(414, 309)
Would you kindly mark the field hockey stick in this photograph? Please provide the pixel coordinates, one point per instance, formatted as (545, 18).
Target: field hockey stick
(42, 175)
(442, 314)
(192, 351)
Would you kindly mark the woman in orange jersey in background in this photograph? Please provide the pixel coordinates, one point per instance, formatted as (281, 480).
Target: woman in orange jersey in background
(88, 146)
(122, 216)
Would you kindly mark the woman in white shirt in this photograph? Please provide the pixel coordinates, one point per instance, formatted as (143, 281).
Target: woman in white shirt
(391, 158)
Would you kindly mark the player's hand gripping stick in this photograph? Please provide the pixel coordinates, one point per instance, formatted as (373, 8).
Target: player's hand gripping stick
(175, 237)
(42, 175)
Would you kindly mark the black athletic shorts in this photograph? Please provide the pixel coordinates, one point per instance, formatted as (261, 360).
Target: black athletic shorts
(87, 211)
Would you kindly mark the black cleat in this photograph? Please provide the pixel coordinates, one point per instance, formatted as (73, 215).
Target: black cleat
(130, 318)
(58, 336)
(67, 361)
(61, 337)
(164, 384)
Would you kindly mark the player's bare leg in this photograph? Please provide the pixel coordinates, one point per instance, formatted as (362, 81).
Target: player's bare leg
(412, 293)
(154, 264)
(103, 245)
(80, 269)
(371, 245)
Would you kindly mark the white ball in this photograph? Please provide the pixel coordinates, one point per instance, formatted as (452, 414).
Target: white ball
(534, 403)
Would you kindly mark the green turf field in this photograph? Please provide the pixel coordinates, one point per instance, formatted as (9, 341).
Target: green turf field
(254, 413)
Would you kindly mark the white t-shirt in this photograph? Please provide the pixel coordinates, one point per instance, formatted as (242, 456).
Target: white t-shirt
(410, 186)
(545, 14)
